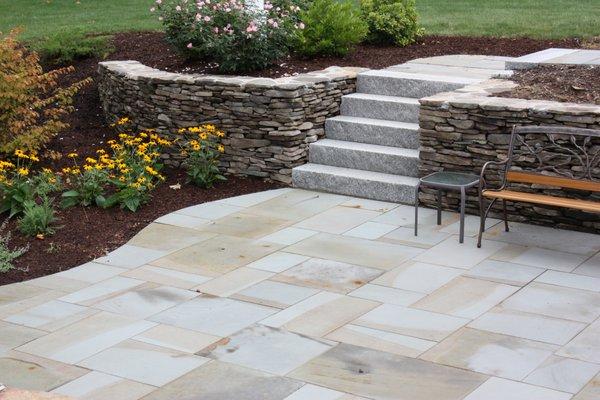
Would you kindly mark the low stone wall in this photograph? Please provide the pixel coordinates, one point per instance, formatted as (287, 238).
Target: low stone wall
(269, 122)
(462, 130)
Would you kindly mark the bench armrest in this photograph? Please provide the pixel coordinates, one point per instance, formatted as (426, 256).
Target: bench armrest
(482, 181)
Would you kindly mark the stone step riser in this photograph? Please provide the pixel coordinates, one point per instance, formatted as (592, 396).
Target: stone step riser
(353, 186)
(405, 87)
(380, 109)
(364, 160)
(372, 133)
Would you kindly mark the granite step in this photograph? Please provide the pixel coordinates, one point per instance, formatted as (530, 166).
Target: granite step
(391, 108)
(398, 83)
(368, 157)
(373, 131)
(354, 182)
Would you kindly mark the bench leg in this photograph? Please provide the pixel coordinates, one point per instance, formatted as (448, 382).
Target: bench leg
(463, 197)
(505, 215)
(439, 207)
(416, 208)
(481, 220)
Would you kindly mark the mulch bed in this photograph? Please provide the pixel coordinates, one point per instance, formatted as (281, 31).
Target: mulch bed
(574, 84)
(90, 232)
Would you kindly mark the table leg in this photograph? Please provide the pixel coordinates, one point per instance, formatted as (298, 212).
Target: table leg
(439, 204)
(416, 208)
(463, 196)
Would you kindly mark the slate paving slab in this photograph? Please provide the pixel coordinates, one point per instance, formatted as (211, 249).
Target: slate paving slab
(267, 349)
(214, 315)
(144, 363)
(490, 353)
(208, 383)
(381, 375)
(235, 300)
(328, 275)
(99, 386)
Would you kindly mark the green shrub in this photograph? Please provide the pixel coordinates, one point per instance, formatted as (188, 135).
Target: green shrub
(32, 104)
(237, 37)
(38, 219)
(8, 255)
(392, 21)
(332, 27)
(66, 47)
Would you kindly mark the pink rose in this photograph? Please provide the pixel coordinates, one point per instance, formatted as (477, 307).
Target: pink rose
(301, 25)
(206, 18)
(216, 30)
(178, 8)
(152, 9)
(189, 45)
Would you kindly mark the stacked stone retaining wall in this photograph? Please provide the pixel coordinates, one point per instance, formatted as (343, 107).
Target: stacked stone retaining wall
(462, 130)
(269, 122)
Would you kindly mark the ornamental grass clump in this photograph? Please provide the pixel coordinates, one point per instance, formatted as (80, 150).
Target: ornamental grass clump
(238, 36)
(201, 146)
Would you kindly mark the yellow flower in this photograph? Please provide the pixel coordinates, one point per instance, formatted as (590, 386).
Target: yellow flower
(21, 154)
(91, 160)
(151, 170)
(72, 155)
(220, 134)
(23, 171)
(203, 136)
(221, 148)
(87, 167)
(34, 158)
(123, 121)
(47, 170)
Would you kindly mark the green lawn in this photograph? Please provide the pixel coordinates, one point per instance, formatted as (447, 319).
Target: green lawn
(535, 18)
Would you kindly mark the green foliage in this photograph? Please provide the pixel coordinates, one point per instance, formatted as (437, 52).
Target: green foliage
(237, 37)
(19, 185)
(332, 27)
(8, 255)
(65, 47)
(32, 103)
(87, 188)
(202, 147)
(392, 21)
(38, 219)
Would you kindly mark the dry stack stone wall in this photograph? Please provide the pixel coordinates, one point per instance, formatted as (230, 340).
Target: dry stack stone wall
(460, 131)
(269, 122)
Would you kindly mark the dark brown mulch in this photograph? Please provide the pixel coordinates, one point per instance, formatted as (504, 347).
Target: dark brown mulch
(91, 232)
(151, 49)
(574, 84)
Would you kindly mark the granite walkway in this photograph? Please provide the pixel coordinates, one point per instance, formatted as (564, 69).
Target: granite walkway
(298, 295)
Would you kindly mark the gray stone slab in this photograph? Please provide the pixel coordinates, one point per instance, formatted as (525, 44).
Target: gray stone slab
(367, 157)
(222, 381)
(380, 375)
(373, 131)
(390, 108)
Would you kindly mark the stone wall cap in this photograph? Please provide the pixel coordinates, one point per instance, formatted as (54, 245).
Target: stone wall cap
(135, 70)
(481, 95)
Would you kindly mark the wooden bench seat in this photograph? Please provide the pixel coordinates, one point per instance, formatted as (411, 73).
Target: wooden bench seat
(583, 205)
(558, 176)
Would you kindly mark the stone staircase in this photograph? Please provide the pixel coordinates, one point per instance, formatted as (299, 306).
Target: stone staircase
(371, 149)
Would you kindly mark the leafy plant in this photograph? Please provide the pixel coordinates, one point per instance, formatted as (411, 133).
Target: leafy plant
(32, 105)
(202, 148)
(332, 28)
(38, 219)
(8, 255)
(19, 185)
(87, 187)
(66, 46)
(392, 21)
(237, 36)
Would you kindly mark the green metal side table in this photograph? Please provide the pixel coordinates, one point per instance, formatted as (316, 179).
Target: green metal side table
(446, 180)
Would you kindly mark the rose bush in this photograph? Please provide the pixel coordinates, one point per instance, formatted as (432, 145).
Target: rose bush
(237, 36)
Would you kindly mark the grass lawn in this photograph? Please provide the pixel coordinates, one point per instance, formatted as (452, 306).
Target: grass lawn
(550, 19)
(535, 18)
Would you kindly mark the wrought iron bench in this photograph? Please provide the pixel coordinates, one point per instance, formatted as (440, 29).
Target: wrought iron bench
(568, 158)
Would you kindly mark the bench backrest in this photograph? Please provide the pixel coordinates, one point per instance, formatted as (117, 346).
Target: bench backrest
(571, 156)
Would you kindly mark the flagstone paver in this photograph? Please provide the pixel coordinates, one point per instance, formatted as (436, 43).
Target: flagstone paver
(294, 295)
